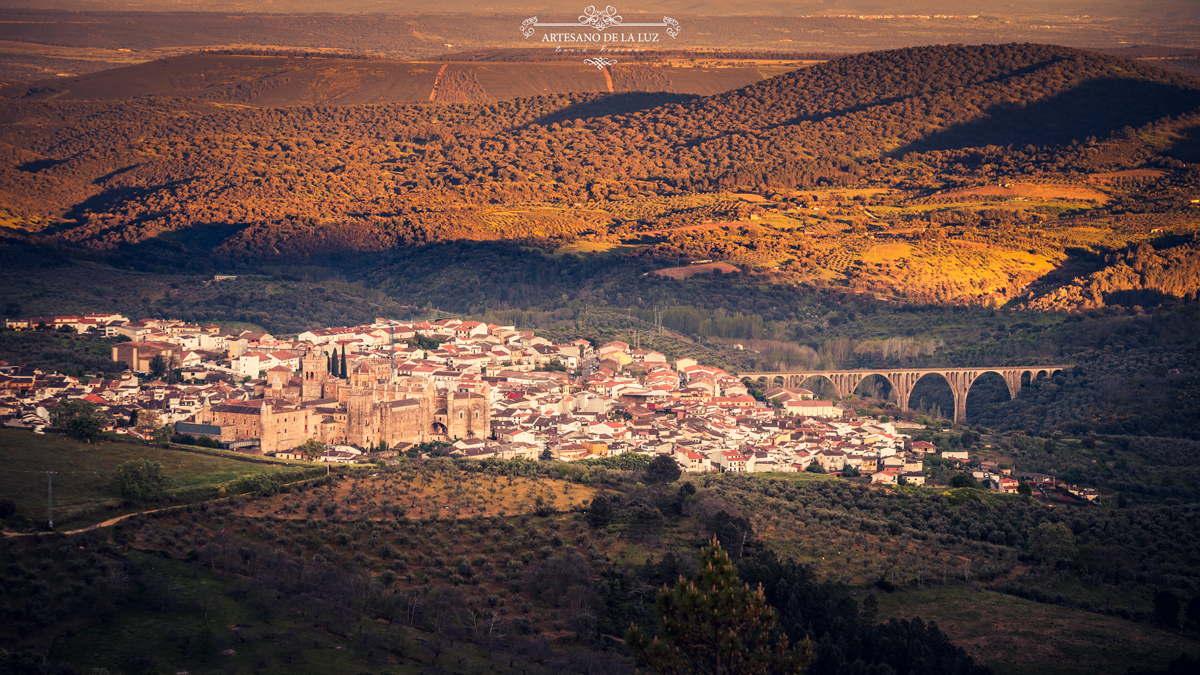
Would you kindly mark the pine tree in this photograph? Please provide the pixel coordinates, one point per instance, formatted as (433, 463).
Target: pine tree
(716, 624)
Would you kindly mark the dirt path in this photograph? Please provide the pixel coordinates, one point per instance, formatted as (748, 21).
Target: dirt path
(114, 521)
(437, 82)
(110, 521)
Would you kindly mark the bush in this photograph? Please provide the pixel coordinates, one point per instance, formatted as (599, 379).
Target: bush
(1051, 542)
(140, 481)
(261, 484)
(962, 480)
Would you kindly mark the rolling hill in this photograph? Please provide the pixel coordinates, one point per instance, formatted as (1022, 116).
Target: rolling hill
(952, 173)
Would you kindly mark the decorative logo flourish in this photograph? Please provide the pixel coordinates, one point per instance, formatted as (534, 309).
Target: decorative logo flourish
(591, 18)
(527, 26)
(600, 62)
(600, 20)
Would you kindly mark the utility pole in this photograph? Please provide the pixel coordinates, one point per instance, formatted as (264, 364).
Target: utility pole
(50, 499)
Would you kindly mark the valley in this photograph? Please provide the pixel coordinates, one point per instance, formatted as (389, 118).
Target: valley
(610, 263)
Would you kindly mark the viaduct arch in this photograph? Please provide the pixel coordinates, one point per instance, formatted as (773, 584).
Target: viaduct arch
(903, 380)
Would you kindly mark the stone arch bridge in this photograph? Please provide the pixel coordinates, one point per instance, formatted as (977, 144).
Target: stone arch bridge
(903, 380)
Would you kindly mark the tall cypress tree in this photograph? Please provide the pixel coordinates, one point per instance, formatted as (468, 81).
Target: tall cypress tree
(345, 373)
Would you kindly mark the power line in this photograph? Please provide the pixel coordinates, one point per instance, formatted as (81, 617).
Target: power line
(50, 499)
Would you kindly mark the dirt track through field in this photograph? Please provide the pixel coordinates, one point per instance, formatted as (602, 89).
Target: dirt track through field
(89, 528)
(114, 521)
(437, 82)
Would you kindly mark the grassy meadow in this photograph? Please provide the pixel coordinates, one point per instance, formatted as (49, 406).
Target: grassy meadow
(82, 487)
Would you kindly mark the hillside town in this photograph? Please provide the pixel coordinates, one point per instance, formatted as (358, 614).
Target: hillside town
(471, 389)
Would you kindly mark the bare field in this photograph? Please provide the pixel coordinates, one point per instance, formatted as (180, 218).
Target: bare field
(693, 270)
(1031, 191)
(588, 247)
(887, 252)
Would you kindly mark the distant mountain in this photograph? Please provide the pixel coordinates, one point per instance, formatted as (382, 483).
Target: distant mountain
(272, 81)
(1107, 8)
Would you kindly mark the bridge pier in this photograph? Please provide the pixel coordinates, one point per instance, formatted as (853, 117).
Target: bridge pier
(960, 384)
(1013, 379)
(902, 384)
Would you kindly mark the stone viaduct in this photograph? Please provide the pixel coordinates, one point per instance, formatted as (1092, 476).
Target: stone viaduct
(903, 380)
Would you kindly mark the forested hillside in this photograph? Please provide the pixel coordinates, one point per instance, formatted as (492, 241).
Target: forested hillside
(841, 122)
(1140, 277)
(917, 174)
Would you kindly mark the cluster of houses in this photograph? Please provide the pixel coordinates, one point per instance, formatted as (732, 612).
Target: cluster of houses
(375, 390)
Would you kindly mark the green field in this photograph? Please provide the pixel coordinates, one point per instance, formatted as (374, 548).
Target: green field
(82, 473)
(1020, 637)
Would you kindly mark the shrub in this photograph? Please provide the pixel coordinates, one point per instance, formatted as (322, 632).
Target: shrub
(140, 481)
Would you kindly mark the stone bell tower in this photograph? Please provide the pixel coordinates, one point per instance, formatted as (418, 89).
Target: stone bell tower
(316, 371)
